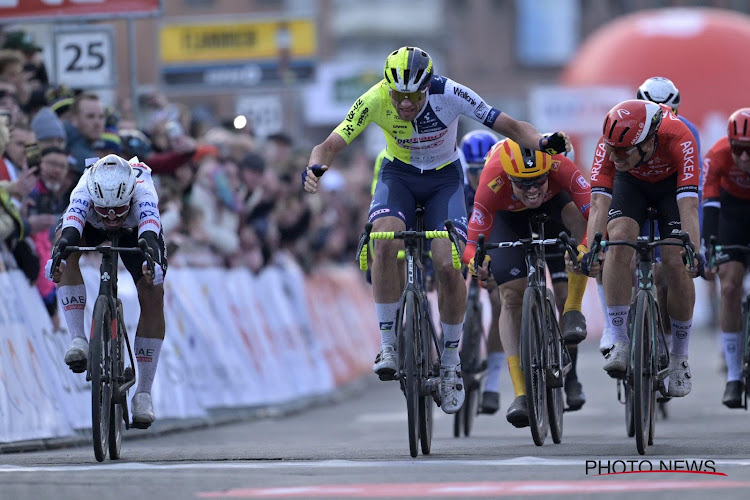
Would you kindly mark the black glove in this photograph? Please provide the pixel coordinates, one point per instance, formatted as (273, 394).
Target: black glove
(586, 262)
(701, 264)
(316, 169)
(555, 143)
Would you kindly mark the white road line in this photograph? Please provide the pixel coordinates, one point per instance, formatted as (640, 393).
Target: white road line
(319, 464)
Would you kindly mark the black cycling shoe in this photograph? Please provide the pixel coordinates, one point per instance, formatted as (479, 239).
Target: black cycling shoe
(574, 395)
(490, 402)
(574, 323)
(733, 394)
(518, 412)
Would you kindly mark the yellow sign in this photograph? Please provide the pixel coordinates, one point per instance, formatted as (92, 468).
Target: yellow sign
(237, 41)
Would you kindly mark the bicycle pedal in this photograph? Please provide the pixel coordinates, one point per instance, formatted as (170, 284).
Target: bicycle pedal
(128, 374)
(387, 377)
(78, 367)
(616, 374)
(140, 425)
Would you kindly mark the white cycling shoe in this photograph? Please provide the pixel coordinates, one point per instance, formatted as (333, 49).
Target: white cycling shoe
(77, 355)
(616, 359)
(386, 363)
(680, 379)
(143, 410)
(451, 389)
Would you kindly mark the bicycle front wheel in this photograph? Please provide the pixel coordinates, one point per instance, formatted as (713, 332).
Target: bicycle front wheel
(745, 348)
(408, 337)
(472, 364)
(117, 363)
(427, 368)
(101, 392)
(554, 359)
(643, 371)
(532, 345)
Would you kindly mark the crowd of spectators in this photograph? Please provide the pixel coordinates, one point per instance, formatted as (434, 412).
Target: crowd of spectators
(226, 197)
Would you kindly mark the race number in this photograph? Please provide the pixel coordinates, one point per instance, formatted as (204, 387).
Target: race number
(85, 58)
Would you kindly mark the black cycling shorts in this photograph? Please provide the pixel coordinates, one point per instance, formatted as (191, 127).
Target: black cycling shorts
(508, 264)
(734, 226)
(401, 187)
(632, 197)
(128, 238)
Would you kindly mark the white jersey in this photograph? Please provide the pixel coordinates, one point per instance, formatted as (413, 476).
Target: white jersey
(144, 208)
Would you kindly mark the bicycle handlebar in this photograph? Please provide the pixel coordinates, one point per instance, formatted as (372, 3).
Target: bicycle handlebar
(714, 249)
(480, 253)
(570, 245)
(642, 246)
(64, 250)
(367, 235)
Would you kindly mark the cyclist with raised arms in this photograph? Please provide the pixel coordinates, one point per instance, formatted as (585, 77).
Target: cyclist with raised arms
(418, 112)
(116, 195)
(516, 183)
(726, 215)
(646, 158)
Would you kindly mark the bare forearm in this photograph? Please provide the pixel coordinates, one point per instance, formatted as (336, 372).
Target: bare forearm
(598, 215)
(521, 132)
(325, 152)
(689, 218)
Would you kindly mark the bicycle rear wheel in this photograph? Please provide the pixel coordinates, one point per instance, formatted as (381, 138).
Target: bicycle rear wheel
(643, 362)
(427, 365)
(554, 359)
(409, 331)
(629, 421)
(117, 367)
(101, 392)
(532, 345)
(472, 365)
(746, 348)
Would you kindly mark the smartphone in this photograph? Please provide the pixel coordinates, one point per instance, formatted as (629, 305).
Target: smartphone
(33, 154)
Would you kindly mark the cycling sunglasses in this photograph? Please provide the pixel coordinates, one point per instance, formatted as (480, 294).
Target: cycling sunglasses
(104, 212)
(526, 184)
(738, 148)
(413, 97)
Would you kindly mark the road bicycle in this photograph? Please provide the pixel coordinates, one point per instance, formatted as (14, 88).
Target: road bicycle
(473, 361)
(106, 370)
(648, 365)
(716, 257)
(544, 357)
(418, 344)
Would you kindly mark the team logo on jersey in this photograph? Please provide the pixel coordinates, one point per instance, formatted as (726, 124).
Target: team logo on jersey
(555, 165)
(496, 183)
(481, 110)
(582, 182)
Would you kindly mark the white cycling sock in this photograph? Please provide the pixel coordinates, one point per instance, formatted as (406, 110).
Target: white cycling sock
(617, 320)
(680, 336)
(73, 301)
(147, 355)
(451, 337)
(495, 363)
(602, 299)
(386, 314)
(732, 355)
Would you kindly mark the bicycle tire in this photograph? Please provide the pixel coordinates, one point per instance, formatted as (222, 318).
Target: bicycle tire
(746, 348)
(409, 328)
(426, 364)
(470, 409)
(553, 341)
(101, 394)
(533, 364)
(643, 390)
(117, 367)
(629, 420)
(471, 364)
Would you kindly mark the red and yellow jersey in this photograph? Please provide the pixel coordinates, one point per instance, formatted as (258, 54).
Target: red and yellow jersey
(722, 173)
(676, 152)
(495, 194)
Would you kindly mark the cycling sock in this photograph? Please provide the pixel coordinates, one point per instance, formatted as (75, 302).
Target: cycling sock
(73, 302)
(572, 375)
(386, 314)
(732, 355)
(602, 297)
(617, 320)
(576, 288)
(495, 363)
(516, 375)
(147, 354)
(680, 336)
(451, 336)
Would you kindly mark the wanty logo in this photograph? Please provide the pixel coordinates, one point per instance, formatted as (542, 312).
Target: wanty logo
(611, 467)
(464, 95)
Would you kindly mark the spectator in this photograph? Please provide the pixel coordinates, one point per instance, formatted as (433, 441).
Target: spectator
(32, 63)
(9, 102)
(60, 101)
(49, 129)
(85, 127)
(11, 71)
(278, 151)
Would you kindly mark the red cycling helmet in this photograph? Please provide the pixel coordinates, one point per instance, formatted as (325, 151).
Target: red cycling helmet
(631, 122)
(738, 128)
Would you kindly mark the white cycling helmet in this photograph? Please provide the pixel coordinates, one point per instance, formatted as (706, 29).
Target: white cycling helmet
(111, 182)
(661, 91)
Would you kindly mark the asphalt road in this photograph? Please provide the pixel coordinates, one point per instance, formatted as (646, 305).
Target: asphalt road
(357, 446)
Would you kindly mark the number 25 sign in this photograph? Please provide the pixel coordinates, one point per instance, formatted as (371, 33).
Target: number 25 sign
(84, 58)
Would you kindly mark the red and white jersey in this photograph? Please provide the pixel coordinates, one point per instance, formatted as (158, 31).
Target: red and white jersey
(722, 173)
(495, 194)
(144, 208)
(676, 152)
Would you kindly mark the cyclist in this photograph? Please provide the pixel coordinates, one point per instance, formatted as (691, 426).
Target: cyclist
(726, 205)
(516, 183)
(116, 195)
(418, 112)
(645, 158)
(474, 147)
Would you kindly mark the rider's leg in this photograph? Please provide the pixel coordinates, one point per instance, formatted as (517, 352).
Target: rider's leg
(452, 295)
(510, 332)
(386, 289)
(150, 332)
(617, 278)
(731, 275)
(496, 357)
(71, 293)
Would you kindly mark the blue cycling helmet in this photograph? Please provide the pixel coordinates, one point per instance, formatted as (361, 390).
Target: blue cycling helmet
(476, 144)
